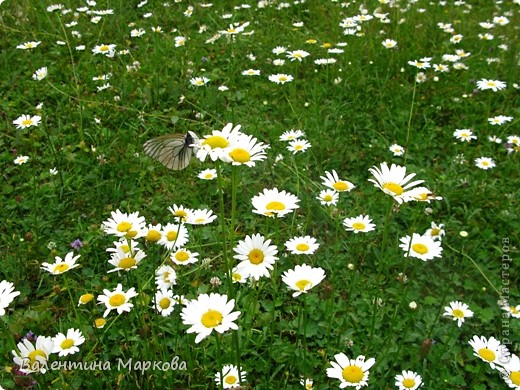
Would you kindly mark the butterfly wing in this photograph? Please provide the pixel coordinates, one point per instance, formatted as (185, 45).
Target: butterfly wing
(174, 151)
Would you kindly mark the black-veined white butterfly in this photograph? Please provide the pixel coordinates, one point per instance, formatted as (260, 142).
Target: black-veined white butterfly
(174, 151)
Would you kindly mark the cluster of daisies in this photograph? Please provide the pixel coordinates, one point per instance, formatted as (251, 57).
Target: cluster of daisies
(34, 357)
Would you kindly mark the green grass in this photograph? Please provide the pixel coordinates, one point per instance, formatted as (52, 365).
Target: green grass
(350, 111)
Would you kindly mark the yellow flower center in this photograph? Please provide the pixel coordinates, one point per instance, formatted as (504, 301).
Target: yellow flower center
(408, 383)
(302, 247)
(486, 354)
(277, 206)
(311, 40)
(34, 354)
(153, 236)
(117, 300)
(211, 318)
(236, 277)
(256, 256)
(513, 310)
(67, 343)
(86, 298)
(200, 220)
(131, 234)
(240, 155)
(458, 313)
(420, 248)
(182, 256)
(100, 322)
(164, 303)
(352, 374)
(326, 45)
(104, 48)
(340, 186)
(328, 198)
(125, 248)
(208, 176)
(61, 268)
(435, 232)
(301, 284)
(515, 377)
(395, 188)
(284, 78)
(27, 122)
(230, 379)
(123, 226)
(171, 235)
(216, 141)
(358, 225)
(485, 163)
(127, 263)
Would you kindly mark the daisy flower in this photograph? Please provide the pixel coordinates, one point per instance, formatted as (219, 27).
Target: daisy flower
(152, 233)
(125, 225)
(7, 295)
(20, 160)
(25, 121)
(180, 212)
(297, 55)
(184, 257)
(199, 81)
(229, 378)
(125, 261)
(464, 135)
(298, 145)
(489, 350)
(40, 74)
(494, 85)
(33, 358)
(397, 150)
(164, 302)
(350, 372)
(328, 197)
(421, 247)
(61, 265)
(117, 300)
(28, 45)
(239, 275)
(208, 174)
(485, 163)
(499, 120)
(510, 372)
(302, 278)
(459, 311)
(214, 145)
(419, 64)
(108, 50)
(85, 298)
(165, 277)
(513, 311)
(280, 78)
(251, 72)
(361, 223)
(274, 203)
(389, 43)
(208, 313)
(291, 135)
(279, 50)
(246, 150)
(408, 380)
(307, 383)
(68, 344)
(302, 245)
(200, 217)
(394, 181)
(332, 180)
(435, 231)
(174, 236)
(422, 194)
(256, 256)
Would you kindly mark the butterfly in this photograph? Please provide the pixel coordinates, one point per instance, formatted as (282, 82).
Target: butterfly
(174, 151)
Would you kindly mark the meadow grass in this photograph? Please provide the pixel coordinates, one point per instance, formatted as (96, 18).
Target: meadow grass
(86, 160)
